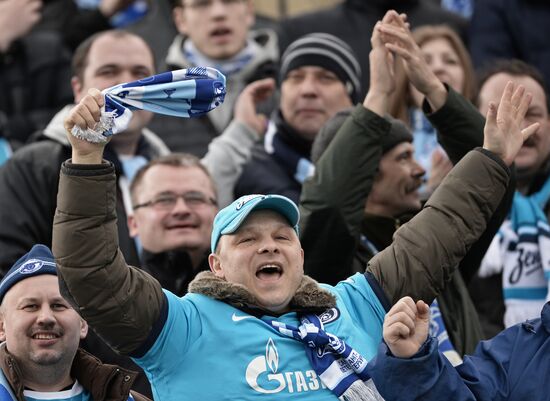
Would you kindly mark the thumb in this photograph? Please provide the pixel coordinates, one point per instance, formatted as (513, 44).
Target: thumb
(423, 310)
(530, 130)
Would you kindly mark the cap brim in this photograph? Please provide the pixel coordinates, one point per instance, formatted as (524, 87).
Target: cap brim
(279, 204)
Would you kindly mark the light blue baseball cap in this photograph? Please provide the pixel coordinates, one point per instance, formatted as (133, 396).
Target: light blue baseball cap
(229, 219)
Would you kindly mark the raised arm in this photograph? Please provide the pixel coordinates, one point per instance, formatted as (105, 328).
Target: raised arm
(426, 250)
(121, 303)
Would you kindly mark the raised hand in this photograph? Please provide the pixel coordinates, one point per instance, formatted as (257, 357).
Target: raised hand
(246, 105)
(441, 166)
(85, 115)
(382, 77)
(503, 134)
(406, 327)
(397, 37)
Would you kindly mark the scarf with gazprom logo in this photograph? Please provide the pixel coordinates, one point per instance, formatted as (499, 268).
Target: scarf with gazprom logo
(181, 93)
(339, 366)
(521, 250)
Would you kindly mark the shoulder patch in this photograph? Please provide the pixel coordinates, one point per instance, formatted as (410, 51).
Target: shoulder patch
(329, 315)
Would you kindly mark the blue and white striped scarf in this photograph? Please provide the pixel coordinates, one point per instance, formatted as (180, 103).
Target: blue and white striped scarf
(521, 250)
(340, 367)
(181, 93)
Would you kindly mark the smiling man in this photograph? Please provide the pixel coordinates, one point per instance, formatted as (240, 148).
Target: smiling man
(174, 203)
(239, 323)
(40, 331)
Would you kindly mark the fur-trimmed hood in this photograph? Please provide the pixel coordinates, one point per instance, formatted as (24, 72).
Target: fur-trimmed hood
(309, 297)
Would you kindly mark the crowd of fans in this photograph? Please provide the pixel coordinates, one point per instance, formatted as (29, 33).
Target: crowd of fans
(389, 126)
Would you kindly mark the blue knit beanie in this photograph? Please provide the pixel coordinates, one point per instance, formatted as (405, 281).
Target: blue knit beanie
(38, 261)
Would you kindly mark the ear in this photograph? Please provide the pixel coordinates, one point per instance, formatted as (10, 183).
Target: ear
(215, 265)
(2, 328)
(83, 329)
(251, 15)
(178, 15)
(132, 226)
(76, 85)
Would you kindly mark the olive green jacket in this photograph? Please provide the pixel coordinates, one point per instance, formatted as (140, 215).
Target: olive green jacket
(124, 304)
(332, 208)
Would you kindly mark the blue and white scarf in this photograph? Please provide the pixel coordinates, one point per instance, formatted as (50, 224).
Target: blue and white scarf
(521, 250)
(181, 93)
(298, 166)
(227, 67)
(340, 367)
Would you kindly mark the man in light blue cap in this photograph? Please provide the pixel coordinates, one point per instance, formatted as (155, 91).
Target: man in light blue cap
(255, 326)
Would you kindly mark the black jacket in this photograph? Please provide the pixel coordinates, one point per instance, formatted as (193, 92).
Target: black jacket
(35, 82)
(266, 173)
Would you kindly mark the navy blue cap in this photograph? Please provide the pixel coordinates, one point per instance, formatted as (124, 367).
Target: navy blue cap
(39, 260)
(229, 219)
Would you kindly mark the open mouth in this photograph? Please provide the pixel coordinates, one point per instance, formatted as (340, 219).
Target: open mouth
(220, 32)
(269, 272)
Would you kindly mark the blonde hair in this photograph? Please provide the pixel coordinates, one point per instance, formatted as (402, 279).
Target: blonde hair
(401, 99)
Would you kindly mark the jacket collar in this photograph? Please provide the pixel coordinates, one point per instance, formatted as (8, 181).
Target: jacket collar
(309, 297)
(101, 380)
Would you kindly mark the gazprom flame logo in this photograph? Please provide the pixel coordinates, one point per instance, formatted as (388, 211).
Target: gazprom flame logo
(262, 374)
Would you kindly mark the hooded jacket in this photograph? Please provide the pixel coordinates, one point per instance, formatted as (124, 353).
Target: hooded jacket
(103, 382)
(192, 135)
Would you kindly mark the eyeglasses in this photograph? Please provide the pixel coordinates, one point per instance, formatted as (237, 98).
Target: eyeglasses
(205, 4)
(168, 200)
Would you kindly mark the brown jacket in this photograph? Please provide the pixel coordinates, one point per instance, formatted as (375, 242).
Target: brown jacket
(104, 382)
(123, 303)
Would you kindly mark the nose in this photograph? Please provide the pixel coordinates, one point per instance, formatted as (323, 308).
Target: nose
(45, 316)
(218, 9)
(268, 246)
(180, 208)
(308, 86)
(418, 171)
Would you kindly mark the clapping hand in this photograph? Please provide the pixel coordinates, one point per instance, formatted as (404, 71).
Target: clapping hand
(503, 134)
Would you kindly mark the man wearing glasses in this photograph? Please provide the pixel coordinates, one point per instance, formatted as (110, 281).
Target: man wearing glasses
(174, 202)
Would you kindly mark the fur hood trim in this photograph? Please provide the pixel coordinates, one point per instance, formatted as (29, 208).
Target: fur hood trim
(309, 297)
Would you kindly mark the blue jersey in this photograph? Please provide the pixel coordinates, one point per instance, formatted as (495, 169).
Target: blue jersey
(208, 349)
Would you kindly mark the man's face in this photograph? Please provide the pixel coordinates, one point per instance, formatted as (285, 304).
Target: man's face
(394, 190)
(217, 28)
(536, 149)
(265, 256)
(114, 60)
(187, 225)
(309, 97)
(38, 325)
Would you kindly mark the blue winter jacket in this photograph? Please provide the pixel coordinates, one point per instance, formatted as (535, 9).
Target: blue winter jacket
(513, 366)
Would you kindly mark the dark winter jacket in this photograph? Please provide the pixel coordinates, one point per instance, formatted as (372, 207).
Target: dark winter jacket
(513, 366)
(35, 76)
(103, 382)
(333, 202)
(268, 174)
